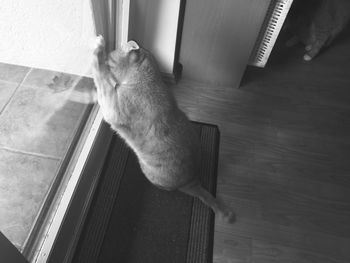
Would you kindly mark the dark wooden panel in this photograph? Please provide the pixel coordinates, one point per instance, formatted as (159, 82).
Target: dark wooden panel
(218, 37)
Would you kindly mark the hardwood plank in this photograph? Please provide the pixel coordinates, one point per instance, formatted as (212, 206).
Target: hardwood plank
(325, 245)
(229, 250)
(268, 252)
(287, 205)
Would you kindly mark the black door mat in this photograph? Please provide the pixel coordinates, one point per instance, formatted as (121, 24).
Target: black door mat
(132, 221)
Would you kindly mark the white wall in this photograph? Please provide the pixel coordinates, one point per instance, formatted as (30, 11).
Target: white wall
(50, 34)
(153, 23)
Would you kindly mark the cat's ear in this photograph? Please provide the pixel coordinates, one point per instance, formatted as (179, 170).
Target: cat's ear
(133, 51)
(131, 45)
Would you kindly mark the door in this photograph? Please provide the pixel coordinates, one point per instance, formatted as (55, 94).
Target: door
(47, 129)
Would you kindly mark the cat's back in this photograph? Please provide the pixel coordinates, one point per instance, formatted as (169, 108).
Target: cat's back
(156, 129)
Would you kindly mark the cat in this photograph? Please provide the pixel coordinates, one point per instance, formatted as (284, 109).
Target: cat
(316, 23)
(142, 110)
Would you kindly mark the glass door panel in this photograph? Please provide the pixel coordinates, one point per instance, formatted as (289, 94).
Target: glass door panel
(45, 111)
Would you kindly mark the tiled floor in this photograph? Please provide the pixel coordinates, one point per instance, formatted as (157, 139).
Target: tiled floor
(37, 124)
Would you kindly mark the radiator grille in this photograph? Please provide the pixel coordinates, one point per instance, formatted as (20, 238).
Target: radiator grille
(276, 14)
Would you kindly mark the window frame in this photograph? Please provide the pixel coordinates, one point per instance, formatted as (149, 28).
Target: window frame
(59, 246)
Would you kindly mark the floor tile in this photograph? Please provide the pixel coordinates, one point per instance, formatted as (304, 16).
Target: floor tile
(13, 73)
(41, 120)
(24, 182)
(6, 91)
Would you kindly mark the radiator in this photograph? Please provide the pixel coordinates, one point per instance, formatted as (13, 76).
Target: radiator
(275, 16)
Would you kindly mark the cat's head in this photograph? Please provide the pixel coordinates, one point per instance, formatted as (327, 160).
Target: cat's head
(132, 63)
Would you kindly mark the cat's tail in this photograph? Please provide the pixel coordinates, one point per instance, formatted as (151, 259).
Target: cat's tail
(221, 210)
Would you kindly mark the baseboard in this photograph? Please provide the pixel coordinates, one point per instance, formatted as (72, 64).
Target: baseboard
(175, 76)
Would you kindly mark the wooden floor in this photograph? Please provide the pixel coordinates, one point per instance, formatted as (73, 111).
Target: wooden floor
(284, 157)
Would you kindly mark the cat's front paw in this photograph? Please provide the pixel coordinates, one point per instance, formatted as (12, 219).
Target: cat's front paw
(99, 44)
(100, 41)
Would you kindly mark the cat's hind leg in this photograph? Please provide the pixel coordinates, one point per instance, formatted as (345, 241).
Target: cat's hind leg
(219, 208)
